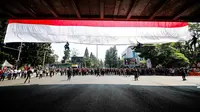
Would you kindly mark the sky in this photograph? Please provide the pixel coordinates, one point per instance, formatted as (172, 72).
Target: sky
(80, 49)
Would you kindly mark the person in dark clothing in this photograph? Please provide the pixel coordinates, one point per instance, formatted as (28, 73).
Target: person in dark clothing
(28, 76)
(41, 74)
(51, 72)
(47, 73)
(184, 73)
(36, 71)
(69, 73)
(98, 72)
(74, 72)
(136, 74)
(65, 71)
(102, 72)
(61, 72)
(2, 75)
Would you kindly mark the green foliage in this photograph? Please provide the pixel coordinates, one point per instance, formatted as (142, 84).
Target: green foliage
(52, 59)
(119, 62)
(168, 55)
(66, 54)
(101, 64)
(87, 60)
(94, 61)
(74, 52)
(32, 53)
(111, 59)
(4, 56)
(86, 54)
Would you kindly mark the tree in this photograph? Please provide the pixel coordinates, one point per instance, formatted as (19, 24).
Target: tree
(119, 62)
(66, 53)
(195, 32)
(53, 58)
(194, 43)
(4, 55)
(111, 59)
(94, 61)
(101, 64)
(66, 56)
(87, 60)
(86, 54)
(108, 61)
(74, 52)
(32, 53)
(56, 57)
(165, 54)
(114, 56)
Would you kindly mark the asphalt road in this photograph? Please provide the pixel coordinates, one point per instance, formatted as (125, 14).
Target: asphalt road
(99, 98)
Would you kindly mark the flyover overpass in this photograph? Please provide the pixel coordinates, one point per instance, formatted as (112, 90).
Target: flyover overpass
(131, 10)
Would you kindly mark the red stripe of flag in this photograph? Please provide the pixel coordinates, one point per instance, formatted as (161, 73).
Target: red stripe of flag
(96, 23)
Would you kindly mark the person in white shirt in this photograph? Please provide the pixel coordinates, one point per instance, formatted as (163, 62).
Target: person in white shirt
(10, 76)
(15, 74)
(173, 71)
(19, 73)
(41, 73)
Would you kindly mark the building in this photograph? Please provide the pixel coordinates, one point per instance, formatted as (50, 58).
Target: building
(131, 58)
(77, 61)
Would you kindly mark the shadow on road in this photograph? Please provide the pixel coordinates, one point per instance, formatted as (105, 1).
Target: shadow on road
(99, 98)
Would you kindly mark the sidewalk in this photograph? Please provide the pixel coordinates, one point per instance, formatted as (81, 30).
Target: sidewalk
(19, 77)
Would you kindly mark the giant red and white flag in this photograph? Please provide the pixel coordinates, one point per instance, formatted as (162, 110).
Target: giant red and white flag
(96, 32)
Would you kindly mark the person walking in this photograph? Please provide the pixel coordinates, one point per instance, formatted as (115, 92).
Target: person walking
(73, 72)
(51, 72)
(98, 72)
(184, 73)
(28, 76)
(15, 74)
(2, 75)
(69, 74)
(136, 74)
(41, 73)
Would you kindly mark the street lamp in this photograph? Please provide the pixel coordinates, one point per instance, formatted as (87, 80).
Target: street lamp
(19, 54)
(44, 57)
(19, 50)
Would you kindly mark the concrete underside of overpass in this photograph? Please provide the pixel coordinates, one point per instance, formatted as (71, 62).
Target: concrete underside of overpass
(126, 10)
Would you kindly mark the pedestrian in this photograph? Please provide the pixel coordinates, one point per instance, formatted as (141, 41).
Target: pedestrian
(47, 72)
(37, 72)
(28, 76)
(2, 75)
(102, 72)
(184, 73)
(15, 74)
(73, 72)
(69, 74)
(51, 72)
(98, 72)
(136, 74)
(41, 73)
(172, 71)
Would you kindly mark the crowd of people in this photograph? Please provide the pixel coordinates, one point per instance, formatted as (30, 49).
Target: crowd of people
(12, 74)
(118, 71)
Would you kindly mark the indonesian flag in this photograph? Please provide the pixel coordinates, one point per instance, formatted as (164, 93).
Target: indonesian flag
(96, 32)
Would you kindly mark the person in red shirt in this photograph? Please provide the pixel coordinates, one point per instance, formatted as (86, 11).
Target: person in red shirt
(28, 77)
(1, 73)
(2, 76)
(25, 67)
